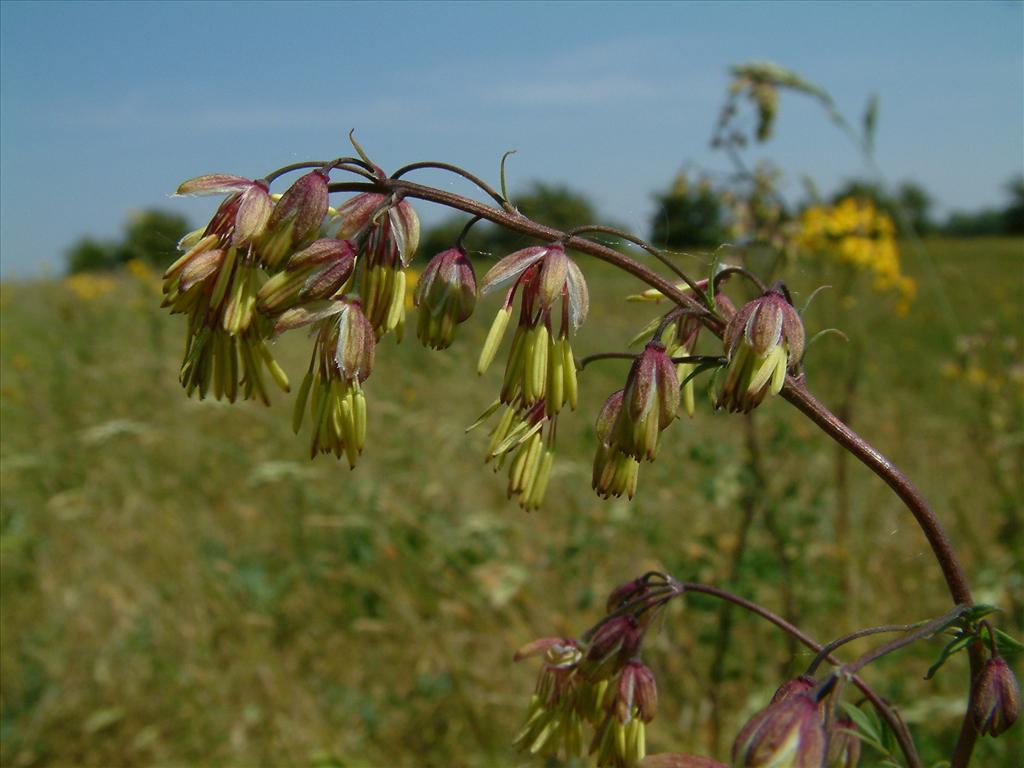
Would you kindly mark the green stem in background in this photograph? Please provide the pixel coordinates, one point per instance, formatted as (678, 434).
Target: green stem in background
(794, 391)
(716, 671)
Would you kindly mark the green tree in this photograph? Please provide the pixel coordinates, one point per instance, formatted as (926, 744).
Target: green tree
(151, 236)
(1014, 214)
(90, 255)
(688, 215)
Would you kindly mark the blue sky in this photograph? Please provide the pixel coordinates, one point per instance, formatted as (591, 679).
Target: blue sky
(107, 106)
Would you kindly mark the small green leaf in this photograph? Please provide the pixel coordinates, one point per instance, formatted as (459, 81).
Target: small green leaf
(865, 739)
(867, 725)
(978, 612)
(699, 370)
(953, 647)
(1008, 645)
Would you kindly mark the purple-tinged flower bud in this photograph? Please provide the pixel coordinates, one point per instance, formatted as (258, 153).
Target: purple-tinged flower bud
(540, 646)
(357, 213)
(637, 694)
(355, 346)
(559, 276)
(296, 219)
(615, 473)
(789, 733)
(678, 760)
(626, 593)
(762, 341)
(801, 684)
(405, 229)
(611, 646)
(843, 744)
(342, 360)
(650, 403)
(995, 700)
(318, 272)
(254, 209)
(214, 184)
(445, 296)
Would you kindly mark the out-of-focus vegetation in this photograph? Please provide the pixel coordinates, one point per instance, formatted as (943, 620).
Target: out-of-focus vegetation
(181, 585)
(150, 237)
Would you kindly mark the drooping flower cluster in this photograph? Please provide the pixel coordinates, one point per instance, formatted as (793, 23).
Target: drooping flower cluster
(388, 232)
(763, 341)
(596, 682)
(260, 268)
(631, 420)
(217, 279)
(445, 296)
(540, 372)
(342, 360)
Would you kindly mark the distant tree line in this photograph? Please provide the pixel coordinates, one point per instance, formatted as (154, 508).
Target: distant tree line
(151, 236)
(687, 215)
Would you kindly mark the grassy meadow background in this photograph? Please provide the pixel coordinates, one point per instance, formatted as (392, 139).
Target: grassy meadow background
(181, 585)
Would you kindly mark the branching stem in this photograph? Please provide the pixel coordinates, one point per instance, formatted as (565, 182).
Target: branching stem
(794, 391)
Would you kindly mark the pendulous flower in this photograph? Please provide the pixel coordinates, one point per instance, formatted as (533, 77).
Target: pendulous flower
(995, 700)
(615, 472)
(387, 233)
(650, 402)
(320, 271)
(763, 341)
(215, 283)
(788, 733)
(296, 219)
(342, 360)
(445, 296)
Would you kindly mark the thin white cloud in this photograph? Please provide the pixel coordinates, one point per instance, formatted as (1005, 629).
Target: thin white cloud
(578, 92)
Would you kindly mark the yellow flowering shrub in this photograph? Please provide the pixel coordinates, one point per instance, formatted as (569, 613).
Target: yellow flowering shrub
(856, 233)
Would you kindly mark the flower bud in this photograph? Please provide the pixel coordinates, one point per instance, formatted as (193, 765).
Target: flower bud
(763, 340)
(317, 272)
(995, 700)
(615, 473)
(357, 212)
(801, 684)
(611, 646)
(296, 218)
(650, 403)
(789, 733)
(626, 593)
(355, 345)
(637, 694)
(445, 296)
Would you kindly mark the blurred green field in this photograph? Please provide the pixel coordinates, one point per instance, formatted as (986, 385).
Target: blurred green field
(182, 586)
